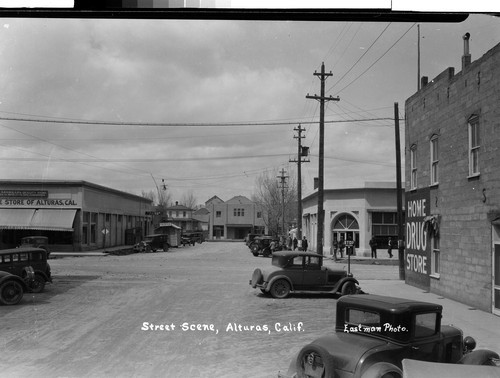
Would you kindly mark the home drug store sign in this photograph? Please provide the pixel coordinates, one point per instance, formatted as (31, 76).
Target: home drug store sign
(417, 252)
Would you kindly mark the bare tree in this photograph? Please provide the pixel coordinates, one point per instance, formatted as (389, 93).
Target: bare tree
(271, 196)
(189, 200)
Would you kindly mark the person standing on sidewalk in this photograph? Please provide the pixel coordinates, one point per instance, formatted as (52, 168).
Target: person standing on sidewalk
(389, 247)
(295, 243)
(373, 246)
(304, 244)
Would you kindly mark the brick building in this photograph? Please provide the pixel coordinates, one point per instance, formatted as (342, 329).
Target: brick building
(453, 183)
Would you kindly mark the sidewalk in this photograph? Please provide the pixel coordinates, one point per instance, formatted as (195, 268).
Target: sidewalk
(118, 250)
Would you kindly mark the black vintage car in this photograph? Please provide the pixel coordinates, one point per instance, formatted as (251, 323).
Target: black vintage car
(153, 243)
(12, 287)
(374, 334)
(261, 245)
(301, 272)
(15, 260)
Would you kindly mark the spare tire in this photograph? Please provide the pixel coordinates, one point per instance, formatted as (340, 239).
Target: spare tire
(257, 277)
(314, 360)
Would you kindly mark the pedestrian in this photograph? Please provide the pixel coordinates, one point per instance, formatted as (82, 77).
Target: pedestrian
(295, 243)
(389, 247)
(373, 245)
(335, 249)
(341, 247)
(304, 244)
(289, 243)
(272, 246)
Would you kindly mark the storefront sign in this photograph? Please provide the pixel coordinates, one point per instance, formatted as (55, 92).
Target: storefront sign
(24, 193)
(34, 202)
(417, 253)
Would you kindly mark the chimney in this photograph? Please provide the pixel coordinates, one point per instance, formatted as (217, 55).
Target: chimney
(424, 81)
(466, 58)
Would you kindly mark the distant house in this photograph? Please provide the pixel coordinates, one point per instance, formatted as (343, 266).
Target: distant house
(235, 218)
(182, 216)
(202, 216)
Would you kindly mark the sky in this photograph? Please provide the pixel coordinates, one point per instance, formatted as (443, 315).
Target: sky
(208, 106)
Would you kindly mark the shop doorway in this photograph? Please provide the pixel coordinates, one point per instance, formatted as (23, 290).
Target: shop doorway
(345, 227)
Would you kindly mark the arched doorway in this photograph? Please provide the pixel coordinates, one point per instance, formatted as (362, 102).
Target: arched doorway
(345, 227)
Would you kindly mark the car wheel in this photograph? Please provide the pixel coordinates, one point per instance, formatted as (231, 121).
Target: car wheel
(314, 361)
(349, 288)
(11, 292)
(255, 249)
(383, 370)
(38, 284)
(266, 252)
(280, 289)
(256, 277)
(147, 249)
(165, 247)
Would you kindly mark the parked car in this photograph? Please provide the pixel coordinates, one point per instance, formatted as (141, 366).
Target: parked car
(12, 287)
(152, 243)
(249, 239)
(15, 260)
(261, 245)
(36, 242)
(302, 271)
(192, 238)
(374, 334)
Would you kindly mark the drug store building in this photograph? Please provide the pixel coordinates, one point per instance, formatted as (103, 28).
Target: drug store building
(74, 215)
(453, 183)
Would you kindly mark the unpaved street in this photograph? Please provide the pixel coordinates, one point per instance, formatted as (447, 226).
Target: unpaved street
(173, 314)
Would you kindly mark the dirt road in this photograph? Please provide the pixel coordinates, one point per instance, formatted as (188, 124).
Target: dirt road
(189, 312)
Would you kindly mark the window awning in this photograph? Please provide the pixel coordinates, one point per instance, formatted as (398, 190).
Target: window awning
(37, 219)
(15, 219)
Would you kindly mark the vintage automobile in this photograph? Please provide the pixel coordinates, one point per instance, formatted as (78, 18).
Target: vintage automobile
(249, 239)
(296, 271)
(374, 334)
(36, 242)
(152, 243)
(15, 260)
(12, 287)
(191, 238)
(261, 245)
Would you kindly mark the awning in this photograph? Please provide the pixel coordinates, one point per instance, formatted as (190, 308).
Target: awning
(15, 219)
(53, 219)
(37, 219)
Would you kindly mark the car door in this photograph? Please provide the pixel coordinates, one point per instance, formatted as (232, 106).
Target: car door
(314, 276)
(426, 337)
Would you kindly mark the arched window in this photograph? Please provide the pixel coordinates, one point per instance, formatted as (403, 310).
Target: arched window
(346, 222)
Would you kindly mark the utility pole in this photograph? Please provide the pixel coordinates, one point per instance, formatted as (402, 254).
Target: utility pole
(399, 196)
(418, 57)
(302, 151)
(282, 185)
(321, 98)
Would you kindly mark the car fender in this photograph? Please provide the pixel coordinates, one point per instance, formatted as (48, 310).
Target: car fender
(6, 276)
(341, 282)
(479, 357)
(44, 275)
(275, 278)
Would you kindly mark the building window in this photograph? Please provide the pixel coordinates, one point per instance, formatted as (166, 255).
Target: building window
(238, 212)
(184, 214)
(474, 145)
(93, 228)
(259, 214)
(434, 160)
(384, 224)
(436, 257)
(218, 214)
(85, 228)
(413, 167)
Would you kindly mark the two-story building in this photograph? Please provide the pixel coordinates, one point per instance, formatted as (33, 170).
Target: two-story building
(235, 218)
(182, 216)
(453, 183)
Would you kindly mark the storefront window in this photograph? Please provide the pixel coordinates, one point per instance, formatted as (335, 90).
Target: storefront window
(85, 228)
(93, 228)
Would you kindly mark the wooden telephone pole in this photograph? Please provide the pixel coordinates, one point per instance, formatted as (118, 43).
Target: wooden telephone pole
(302, 151)
(321, 98)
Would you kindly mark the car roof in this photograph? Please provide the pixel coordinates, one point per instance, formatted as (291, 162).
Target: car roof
(386, 303)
